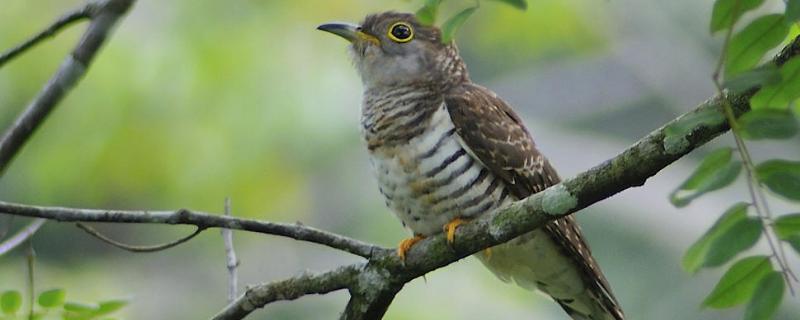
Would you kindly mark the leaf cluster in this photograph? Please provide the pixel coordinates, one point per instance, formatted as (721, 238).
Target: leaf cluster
(52, 304)
(754, 280)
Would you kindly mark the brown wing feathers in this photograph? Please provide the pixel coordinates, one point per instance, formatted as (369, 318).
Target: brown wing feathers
(497, 137)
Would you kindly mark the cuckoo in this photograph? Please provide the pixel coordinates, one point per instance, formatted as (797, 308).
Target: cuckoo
(446, 150)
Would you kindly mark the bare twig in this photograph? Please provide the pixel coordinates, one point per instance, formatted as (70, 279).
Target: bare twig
(289, 289)
(199, 219)
(62, 22)
(104, 16)
(133, 248)
(21, 236)
(231, 262)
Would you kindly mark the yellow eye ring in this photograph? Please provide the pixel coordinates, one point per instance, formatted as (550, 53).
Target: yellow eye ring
(400, 32)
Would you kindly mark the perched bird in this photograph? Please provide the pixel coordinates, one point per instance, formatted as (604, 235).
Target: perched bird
(446, 150)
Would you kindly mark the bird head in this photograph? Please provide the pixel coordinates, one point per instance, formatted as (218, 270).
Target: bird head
(394, 49)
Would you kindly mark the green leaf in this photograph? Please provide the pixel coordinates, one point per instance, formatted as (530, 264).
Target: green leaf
(739, 237)
(781, 177)
(51, 298)
(768, 296)
(78, 307)
(451, 26)
(427, 14)
(747, 47)
(696, 254)
(768, 124)
(792, 10)
(715, 172)
(110, 306)
(779, 95)
(738, 283)
(727, 12)
(10, 301)
(761, 76)
(794, 241)
(787, 225)
(519, 4)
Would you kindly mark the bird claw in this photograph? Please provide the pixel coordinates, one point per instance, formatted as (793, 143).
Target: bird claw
(450, 229)
(406, 245)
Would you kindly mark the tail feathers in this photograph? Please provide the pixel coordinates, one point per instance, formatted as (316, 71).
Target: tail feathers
(590, 307)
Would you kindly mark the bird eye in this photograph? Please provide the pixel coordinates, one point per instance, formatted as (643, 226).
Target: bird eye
(401, 32)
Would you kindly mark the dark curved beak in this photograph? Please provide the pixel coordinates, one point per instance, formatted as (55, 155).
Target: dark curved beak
(345, 30)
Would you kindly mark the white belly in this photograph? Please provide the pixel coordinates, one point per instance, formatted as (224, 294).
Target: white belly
(433, 179)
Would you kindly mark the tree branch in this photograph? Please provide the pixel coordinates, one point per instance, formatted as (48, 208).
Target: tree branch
(289, 289)
(200, 219)
(62, 22)
(104, 15)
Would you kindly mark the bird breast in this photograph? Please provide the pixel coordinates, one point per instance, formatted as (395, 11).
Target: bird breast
(432, 178)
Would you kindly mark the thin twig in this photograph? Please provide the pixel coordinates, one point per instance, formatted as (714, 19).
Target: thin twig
(62, 22)
(21, 236)
(105, 15)
(133, 248)
(231, 262)
(199, 219)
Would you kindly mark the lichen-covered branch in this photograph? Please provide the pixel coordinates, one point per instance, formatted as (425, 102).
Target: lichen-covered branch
(201, 220)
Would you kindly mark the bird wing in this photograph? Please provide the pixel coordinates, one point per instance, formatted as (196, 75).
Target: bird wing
(496, 136)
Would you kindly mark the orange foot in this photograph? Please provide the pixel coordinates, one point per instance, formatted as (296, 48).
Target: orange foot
(406, 245)
(450, 229)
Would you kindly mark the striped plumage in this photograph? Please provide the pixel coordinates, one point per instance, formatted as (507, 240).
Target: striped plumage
(425, 174)
(443, 148)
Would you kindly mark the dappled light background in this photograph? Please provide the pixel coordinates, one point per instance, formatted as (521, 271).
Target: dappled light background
(194, 101)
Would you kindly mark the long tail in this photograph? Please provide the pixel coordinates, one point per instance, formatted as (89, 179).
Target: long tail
(557, 261)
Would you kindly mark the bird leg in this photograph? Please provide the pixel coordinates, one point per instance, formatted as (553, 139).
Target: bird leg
(406, 244)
